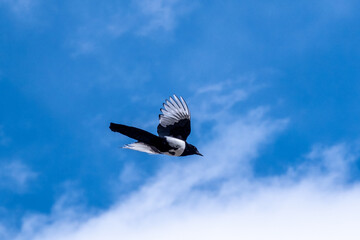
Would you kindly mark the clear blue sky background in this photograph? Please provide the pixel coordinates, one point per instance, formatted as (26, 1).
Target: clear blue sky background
(68, 68)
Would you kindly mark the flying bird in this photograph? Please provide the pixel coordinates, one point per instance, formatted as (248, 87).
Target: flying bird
(173, 130)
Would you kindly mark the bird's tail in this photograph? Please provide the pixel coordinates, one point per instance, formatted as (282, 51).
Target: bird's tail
(135, 133)
(142, 147)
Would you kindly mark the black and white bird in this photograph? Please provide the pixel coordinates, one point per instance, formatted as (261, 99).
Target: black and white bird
(173, 130)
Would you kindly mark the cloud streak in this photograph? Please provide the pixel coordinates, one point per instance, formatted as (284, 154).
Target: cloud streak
(21, 9)
(161, 14)
(140, 18)
(212, 199)
(15, 175)
(219, 197)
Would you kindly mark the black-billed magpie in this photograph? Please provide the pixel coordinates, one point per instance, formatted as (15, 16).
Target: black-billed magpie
(173, 129)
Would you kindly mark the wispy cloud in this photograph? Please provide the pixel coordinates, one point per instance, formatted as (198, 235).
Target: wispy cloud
(219, 197)
(15, 176)
(215, 101)
(336, 161)
(22, 9)
(138, 18)
(161, 14)
(178, 204)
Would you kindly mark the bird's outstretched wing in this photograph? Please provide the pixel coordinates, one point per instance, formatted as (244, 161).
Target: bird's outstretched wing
(175, 119)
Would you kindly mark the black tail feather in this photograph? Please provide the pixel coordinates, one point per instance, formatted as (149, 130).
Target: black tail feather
(135, 133)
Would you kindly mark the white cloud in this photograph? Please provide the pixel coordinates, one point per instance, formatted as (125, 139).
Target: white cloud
(15, 175)
(141, 17)
(335, 160)
(177, 205)
(22, 9)
(217, 197)
(161, 14)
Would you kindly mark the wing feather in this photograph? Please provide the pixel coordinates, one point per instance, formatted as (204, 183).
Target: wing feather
(175, 118)
(176, 106)
(185, 105)
(179, 103)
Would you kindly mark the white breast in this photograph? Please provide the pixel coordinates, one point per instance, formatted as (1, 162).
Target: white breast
(176, 143)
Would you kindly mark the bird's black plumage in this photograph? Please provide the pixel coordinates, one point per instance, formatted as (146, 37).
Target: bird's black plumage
(173, 130)
(135, 133)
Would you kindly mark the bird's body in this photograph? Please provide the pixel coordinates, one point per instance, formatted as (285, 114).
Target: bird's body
(173, 130)
(177, 146)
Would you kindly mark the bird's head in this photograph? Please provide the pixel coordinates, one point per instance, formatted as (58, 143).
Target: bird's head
(190, 150)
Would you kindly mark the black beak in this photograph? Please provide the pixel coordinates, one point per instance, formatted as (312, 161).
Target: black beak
(197, 152)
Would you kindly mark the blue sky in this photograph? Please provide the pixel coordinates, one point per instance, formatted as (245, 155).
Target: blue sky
(273, 88)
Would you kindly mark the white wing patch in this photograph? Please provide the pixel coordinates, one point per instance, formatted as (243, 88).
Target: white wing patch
(174, 110)
(142, 147)
(176, 143)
